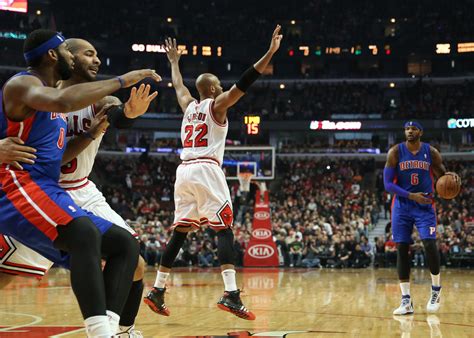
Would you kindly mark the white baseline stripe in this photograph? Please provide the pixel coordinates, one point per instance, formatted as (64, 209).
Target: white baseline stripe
(33, 204)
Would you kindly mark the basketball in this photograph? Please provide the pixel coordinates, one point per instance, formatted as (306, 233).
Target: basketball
(448, 186)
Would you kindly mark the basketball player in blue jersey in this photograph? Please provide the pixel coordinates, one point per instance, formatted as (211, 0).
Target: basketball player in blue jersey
(408, 174)
(35, 210)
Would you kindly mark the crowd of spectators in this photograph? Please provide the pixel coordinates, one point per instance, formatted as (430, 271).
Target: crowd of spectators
(322, 212)
(409, 26)
(310, 101)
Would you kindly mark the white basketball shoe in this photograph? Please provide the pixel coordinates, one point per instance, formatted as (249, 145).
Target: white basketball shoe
(405, 308)
(433, 303)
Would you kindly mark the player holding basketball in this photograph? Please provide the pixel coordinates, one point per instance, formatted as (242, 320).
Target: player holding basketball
(35, 210)
(201, 193)
(408, 174)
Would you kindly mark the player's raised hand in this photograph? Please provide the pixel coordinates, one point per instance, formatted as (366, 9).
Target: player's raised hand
(276, 39)
(100, 122)
(131, 78)
(13, 151)
(420, 197)
(139, 101)
(172, 51)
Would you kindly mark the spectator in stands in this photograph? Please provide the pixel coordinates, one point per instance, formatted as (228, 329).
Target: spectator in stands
(296, 250)
(310, 253)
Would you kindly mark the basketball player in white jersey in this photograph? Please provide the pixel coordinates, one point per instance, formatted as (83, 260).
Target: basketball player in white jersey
(86, 128)
(201, 194)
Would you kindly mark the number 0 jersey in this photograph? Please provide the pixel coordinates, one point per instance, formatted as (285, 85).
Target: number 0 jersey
(414, 171)
(201, 135)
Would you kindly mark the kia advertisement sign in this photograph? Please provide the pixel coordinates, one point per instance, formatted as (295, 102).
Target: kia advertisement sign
(261, 233)
(261, 215)
(261, 251)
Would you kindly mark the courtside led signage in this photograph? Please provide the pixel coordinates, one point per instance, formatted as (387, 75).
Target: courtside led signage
(333, 125)
(460, 123)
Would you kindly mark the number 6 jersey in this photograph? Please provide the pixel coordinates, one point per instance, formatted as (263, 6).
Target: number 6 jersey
(201, 135)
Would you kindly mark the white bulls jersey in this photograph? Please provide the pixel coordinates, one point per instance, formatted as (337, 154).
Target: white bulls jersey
(201, 135)
(75, 173)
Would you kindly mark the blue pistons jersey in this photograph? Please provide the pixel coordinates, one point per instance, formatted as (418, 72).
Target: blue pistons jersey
(414, 171)
(413, 174)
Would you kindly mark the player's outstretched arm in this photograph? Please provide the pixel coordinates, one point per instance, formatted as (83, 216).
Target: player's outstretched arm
(182, 92)
(28, 93)
(229, 98)
(122, 116)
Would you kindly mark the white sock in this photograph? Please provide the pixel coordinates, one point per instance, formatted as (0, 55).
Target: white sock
(114, 320)
(405, 287)
(127, 329)
(229, 280)
(98, 326)
(435, 280)
(161, 278)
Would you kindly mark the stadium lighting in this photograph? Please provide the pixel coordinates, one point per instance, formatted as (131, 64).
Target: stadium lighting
(392, 85)
(169, 19)
(282, 86)
(392, 20)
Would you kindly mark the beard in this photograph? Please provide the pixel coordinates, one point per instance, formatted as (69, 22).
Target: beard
(64, 69)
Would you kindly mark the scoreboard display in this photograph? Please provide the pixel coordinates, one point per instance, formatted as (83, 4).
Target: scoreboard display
(252, 123)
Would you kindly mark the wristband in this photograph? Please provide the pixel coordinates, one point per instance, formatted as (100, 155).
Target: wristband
(250, 76)
(120, 80)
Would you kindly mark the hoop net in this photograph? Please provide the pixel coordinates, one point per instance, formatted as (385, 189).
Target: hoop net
(244, 180)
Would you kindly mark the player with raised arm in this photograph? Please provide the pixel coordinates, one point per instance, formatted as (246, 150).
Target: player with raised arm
(84, 135)
(201, 193)
(408, 174)
(35, 210)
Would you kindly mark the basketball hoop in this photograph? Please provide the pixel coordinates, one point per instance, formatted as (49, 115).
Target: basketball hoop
(244, 180)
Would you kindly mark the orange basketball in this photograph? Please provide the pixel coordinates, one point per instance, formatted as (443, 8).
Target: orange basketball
(448, 186)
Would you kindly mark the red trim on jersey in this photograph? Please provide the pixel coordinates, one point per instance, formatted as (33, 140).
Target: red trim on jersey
(211, 112)
(39, 197)
(23, 266)
(21, 273)
(197, 160)
(12, 128)
(77, 188)
(27, 125)
(73, 181)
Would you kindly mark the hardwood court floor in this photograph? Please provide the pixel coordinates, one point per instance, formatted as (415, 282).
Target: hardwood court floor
(317, 303)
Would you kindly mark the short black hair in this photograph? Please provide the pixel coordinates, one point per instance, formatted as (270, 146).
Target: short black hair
(35, 39)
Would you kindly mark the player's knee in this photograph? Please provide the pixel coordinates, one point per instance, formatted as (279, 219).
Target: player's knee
(127, 243)
(140, 269)
(429, 244)
(81, 233)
